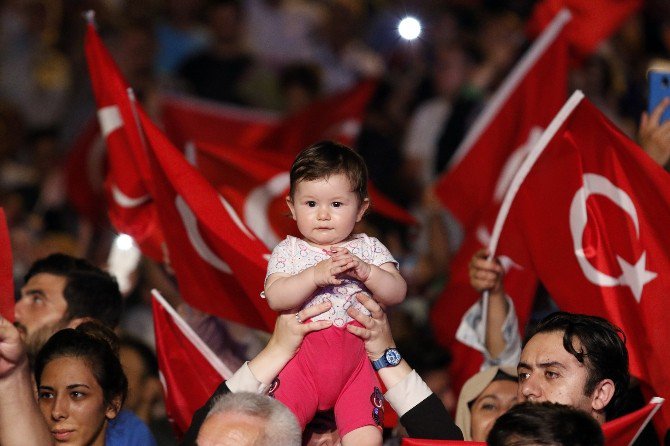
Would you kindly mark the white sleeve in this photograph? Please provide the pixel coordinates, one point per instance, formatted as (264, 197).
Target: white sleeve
(409, 392)
(243, 380)
(472, 330)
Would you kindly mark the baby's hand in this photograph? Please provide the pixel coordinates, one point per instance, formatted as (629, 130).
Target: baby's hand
(355, 267)
(326, 271)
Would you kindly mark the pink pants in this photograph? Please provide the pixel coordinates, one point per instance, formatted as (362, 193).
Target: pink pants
(332, 370)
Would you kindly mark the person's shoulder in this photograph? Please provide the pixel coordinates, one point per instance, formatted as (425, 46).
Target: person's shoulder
(127, 429)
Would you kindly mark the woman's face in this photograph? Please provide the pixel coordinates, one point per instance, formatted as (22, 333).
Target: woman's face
(494, 401)
(72, 403)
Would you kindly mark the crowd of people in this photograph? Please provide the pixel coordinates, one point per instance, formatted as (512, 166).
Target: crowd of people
(281, 55)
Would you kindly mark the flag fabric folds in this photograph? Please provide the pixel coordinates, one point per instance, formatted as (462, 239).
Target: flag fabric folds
(590, 207)
(6, 271)
(502, 135)
(128, 181)
(624, 431)
(473, 185)
(219, 263)
(594, 20)
(189, 370)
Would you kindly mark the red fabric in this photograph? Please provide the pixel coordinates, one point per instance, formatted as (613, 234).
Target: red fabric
(219, 264)
(128, 169)
(6, 271)
(468, 190)
(622, 431)
(85, 171)
(336, 117)
(589, 154)
(594, 20)
(422, 442)
(189, 379)
(467, 186)
(256, 184)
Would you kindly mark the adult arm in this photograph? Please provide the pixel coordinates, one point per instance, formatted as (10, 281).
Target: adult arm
(257, 374)
(497, 335)
(20, 419)
(420, 410)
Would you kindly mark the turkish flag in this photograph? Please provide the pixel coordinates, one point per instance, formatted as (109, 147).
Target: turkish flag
(624, 431)
(128, 181)
(6, 271)
(256, 184)
(85, 171)
(504, 132)
(591, 209)
(219, 263)
(190, 371)
(337, 117)
(594, 20)
(475, 182)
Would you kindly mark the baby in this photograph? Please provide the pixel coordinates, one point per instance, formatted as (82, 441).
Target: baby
(328, 196)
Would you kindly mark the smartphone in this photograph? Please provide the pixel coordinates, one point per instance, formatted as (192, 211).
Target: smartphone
(659, 88)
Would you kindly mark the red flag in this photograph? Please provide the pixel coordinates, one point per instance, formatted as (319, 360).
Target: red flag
(190, 371)
(624, 431)
(336, 117)
(475, 182)
(131, 210)
(219, 264)
(188, 119)
(594, 20)
(497, 142)
(592, 209)
(256, 184)
(6, 271)
(84, 171)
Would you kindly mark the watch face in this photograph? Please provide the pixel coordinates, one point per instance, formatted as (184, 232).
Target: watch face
(393, 356)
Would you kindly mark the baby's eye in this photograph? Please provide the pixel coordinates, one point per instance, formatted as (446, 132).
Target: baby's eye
(311, 203)
(337, 204)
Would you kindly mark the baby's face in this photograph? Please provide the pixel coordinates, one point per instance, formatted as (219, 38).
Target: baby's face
(326, 209)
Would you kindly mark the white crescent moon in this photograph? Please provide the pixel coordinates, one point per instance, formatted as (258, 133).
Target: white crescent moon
(596, 185)
(198, 243)
(256, 208)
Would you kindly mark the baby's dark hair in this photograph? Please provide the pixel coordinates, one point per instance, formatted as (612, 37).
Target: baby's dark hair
(326, 158)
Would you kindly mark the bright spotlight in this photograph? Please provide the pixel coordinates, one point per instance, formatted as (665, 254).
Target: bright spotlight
(409, 28)
(124, 242)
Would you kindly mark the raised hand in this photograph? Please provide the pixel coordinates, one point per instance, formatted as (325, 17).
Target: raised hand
(485, 275)
(12, 350)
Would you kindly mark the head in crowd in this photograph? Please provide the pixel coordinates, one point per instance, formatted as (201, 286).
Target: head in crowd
(328, 187)
(485, 397)
(80, 383)
(578, 360)
(545, 424)
(246, 419)
(63, 291)
(322, 430)
(141, 368)
(225, 19)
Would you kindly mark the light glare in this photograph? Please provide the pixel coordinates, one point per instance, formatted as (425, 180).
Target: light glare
(409, 28)
(124, 242)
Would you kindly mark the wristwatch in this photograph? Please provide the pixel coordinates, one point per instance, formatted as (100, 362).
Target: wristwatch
(390, 358)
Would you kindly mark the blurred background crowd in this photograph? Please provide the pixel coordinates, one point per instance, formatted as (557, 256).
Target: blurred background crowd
(281, 55)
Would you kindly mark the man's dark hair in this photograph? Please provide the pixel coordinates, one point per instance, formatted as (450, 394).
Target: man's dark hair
(546, 424)
(327, 158)
(89, 292)
(603, 351)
